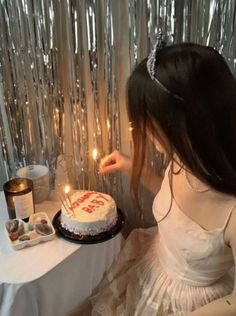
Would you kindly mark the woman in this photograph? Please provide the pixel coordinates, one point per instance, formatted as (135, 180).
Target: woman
(183, 97)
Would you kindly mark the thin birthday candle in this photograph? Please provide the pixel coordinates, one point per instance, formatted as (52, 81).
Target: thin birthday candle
(64, 197)
(67, 190)
(62, 201)
(95, 154)
(98, 160)
(95, 158)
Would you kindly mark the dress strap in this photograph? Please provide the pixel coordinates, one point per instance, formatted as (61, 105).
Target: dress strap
(229, 216)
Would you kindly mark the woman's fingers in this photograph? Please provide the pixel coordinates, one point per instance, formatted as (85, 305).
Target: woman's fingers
(109, 168)
(107, 161)
(115, 162)
(107, 164)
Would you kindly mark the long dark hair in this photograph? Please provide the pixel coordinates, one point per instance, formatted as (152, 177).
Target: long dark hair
(200, 125)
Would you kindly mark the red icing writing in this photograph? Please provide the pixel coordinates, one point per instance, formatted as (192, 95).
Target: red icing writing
(90, 208)
(97, 202)
(82, 199)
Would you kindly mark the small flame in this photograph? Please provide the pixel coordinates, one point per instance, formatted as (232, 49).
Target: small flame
(108, 124)
(95, 153)
(131, 126)
(67, 189)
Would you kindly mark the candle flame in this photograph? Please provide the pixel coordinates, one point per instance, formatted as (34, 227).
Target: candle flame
(67, 189)
(131, 126)
(95, 153)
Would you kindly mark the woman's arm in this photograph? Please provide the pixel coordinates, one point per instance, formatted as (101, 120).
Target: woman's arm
(117, 162)
(225, 306)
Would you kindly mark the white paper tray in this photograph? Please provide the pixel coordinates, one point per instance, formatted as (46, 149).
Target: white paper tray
(30, 231)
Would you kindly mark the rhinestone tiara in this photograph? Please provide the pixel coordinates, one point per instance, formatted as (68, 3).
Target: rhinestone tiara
(151, 61)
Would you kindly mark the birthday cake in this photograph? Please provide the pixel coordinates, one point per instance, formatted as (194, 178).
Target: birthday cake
(88, 213)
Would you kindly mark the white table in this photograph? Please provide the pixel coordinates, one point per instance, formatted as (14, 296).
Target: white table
(50, 278)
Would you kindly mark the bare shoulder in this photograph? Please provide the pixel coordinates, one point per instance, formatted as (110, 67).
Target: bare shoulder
(230, 235)
(230, 239)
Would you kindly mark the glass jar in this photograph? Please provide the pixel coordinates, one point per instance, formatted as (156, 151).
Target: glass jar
(19, 198)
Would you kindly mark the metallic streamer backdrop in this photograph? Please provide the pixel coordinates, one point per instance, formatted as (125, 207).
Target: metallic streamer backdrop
(63, 70)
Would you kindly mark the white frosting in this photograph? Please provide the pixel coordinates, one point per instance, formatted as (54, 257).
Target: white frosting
(91, 213)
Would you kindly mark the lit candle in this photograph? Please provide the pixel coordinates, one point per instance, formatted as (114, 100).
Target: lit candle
(131, 126)
(62, 202)
(64, 197)
(97, 163)
(95, 154)
(67, 191)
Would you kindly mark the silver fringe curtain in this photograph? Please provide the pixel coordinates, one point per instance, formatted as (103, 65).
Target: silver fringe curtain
(63, 71)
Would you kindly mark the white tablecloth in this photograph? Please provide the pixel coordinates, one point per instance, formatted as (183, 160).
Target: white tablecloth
(50, 278)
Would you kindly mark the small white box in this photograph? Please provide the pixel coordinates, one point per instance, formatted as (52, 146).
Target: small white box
(31, 230)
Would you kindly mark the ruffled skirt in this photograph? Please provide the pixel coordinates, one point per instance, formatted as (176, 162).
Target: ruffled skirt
(137, 285)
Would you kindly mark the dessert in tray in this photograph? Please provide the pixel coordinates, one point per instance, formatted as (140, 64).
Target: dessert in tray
(21, 234)
(88, 213)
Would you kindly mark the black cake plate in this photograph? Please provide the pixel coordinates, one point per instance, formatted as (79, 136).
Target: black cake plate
(80, 239)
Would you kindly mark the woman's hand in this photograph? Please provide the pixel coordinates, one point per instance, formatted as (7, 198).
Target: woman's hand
(116, 162)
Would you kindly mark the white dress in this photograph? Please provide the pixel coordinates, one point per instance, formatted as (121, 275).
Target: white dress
(171, 269)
